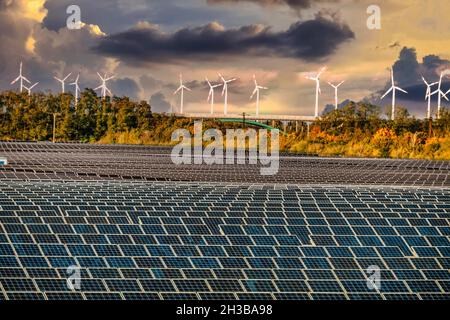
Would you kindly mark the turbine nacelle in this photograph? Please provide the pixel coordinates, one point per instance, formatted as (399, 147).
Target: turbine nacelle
(30, 88)
(103, 85)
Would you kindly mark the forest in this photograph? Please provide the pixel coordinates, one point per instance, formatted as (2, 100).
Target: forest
(356, 130)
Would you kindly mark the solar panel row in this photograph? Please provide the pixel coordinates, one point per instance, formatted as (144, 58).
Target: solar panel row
(45, 161)
(135, 240)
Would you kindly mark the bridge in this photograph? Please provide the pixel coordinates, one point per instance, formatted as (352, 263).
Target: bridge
(247, 117)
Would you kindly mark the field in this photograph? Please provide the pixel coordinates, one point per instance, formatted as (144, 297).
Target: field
(139, 227)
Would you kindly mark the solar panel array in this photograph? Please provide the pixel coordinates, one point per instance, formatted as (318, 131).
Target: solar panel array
(45, 161)
(138, 240)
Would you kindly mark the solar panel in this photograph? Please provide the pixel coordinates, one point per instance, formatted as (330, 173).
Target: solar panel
(211, 240)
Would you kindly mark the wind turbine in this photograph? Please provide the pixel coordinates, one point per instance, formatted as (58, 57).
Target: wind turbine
(181, 88)
(393, 88)
(30, 88)
(103, 86)
(318, 91)
(256, 91)
(77, 88)
(336, 87)
(211, 93)
(428, 95)
(225, 92)
(440, 93)
(21, 78)
(63, 82)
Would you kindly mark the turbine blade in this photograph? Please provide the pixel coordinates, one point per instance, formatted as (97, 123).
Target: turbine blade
(67, 76)
(99, 87)
(254, 92)
(224, 88)
(17, 79)
(425, 81)
(26, 79)
(100, 76)
(400, 89)
(179, 88)
(387, 92)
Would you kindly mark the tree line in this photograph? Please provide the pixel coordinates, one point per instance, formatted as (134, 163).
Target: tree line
(357, 129)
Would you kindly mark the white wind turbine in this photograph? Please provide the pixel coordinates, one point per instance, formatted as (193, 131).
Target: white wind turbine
(77, 88)
(103, 86)
(428, 95)
(256, 91)
(63, 82)
(211, 93)
(440, 93)
(181, 88)
(393, 88)
(318, 91)
(336, 87)
(21, 78)
(30, 88)
(225, 92)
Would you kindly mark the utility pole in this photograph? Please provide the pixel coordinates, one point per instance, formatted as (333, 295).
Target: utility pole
(430, 127)
(54, 126)
(243, 119)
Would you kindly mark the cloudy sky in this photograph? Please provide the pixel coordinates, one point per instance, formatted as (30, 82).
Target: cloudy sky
(148, 43)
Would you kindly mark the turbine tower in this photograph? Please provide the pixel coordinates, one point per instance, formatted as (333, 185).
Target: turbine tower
(225, 92)
(103, 86)
(440, 93)
(211, 94)
(77, 88)
(318, 91)
(256, 91)
(393, 88)
(336, 87)
(428, 95)
(21, 78)
(63, 82)
(181, 88)
(30, 88)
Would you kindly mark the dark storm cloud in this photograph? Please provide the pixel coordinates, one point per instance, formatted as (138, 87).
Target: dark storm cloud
(295, 4)
(408, 73)
(125, 87)
(308, 40)
(159, 103)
